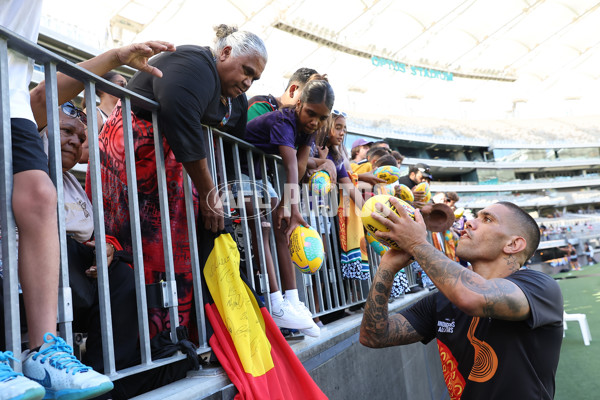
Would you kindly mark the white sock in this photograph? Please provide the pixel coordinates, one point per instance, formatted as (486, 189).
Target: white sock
(276, 299)
(292, 296)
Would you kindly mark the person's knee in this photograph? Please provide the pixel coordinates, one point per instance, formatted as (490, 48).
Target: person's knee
(34, 196)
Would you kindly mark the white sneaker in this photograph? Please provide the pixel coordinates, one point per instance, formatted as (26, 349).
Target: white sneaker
(14, 385)
(314, 330)
(302, 309)
(62, 375)
(286, 316)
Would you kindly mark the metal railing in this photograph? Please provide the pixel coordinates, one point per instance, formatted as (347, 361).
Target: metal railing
(323, 292)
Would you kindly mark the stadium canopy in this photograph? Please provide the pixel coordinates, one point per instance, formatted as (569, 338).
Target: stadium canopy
(472, 59)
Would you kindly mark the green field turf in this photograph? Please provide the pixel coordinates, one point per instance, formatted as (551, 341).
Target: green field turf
(579, 365)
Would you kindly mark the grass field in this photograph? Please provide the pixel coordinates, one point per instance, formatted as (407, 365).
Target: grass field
(579, 365)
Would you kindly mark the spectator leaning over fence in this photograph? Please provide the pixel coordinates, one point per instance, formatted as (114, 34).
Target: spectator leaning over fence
(259, 105)
(498, 327)
(289, 133)
(199, 86)
(49, 360)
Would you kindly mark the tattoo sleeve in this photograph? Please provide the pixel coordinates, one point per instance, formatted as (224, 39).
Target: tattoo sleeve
(378, 329)
(496, 298)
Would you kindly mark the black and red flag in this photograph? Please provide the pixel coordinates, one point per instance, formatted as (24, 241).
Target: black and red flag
(246, 341)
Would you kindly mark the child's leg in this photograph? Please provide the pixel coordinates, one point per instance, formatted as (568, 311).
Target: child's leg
(265, 226)
(286, 268)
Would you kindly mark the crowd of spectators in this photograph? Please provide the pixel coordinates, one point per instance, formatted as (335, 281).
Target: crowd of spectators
(198, 86)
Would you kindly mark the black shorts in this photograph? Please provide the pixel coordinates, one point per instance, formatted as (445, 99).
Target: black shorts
(27, 147)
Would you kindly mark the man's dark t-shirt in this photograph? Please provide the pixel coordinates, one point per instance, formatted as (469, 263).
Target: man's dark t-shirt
(189, 94)
(485, 358)
(405, 180)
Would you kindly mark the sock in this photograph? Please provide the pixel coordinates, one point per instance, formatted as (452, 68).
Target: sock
(292, 296)
(276, 299)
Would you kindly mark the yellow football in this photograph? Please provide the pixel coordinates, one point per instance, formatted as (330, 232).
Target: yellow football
(388, 173)
(404, 193)
(374, 243)
(306, 249)
(372, 225)
(320, 183)
(424, 187)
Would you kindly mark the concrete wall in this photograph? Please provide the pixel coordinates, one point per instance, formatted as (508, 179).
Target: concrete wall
(407, 372)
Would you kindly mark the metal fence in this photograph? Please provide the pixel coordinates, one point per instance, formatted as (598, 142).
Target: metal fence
(324, 292)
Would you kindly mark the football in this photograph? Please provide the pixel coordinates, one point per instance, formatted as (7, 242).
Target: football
(372, 226)
(378, 247)
(320, 183)
(404, 193)
(306, 249)
(424, 187)
(388, 173)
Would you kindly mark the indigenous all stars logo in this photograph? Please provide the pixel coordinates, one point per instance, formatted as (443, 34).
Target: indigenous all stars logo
(446, 326)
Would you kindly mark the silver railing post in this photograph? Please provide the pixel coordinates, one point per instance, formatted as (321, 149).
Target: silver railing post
(7, 221)
(65, 307)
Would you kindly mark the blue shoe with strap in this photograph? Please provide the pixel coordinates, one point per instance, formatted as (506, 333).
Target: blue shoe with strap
(62, 375)
(13, 385)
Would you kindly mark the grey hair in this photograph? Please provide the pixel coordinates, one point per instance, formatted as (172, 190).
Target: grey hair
(242, 43)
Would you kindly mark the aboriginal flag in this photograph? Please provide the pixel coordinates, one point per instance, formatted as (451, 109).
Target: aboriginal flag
(246, 341)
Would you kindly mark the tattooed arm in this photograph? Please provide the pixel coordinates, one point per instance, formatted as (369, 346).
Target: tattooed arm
(378, 329)
(469, 291)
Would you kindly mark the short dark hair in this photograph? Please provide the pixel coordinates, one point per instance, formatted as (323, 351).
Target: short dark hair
(452, 196)
(301, 76)
(530, 229)
(377, 152)
(399, 157)
(387, 159)
(379, 143)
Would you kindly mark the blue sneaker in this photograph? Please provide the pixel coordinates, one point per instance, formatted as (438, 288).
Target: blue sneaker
(62, 375)
(13, 385)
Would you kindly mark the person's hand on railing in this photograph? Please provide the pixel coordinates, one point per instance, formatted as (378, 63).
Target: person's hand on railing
(136, 55)
(211, 210)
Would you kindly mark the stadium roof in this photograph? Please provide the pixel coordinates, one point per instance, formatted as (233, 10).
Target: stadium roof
(475, 59)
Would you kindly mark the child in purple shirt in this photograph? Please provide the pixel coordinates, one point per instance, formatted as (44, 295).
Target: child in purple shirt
(288, 133)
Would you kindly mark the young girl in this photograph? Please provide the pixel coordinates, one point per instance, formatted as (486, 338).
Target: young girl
(288, 132)
(354, 263)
